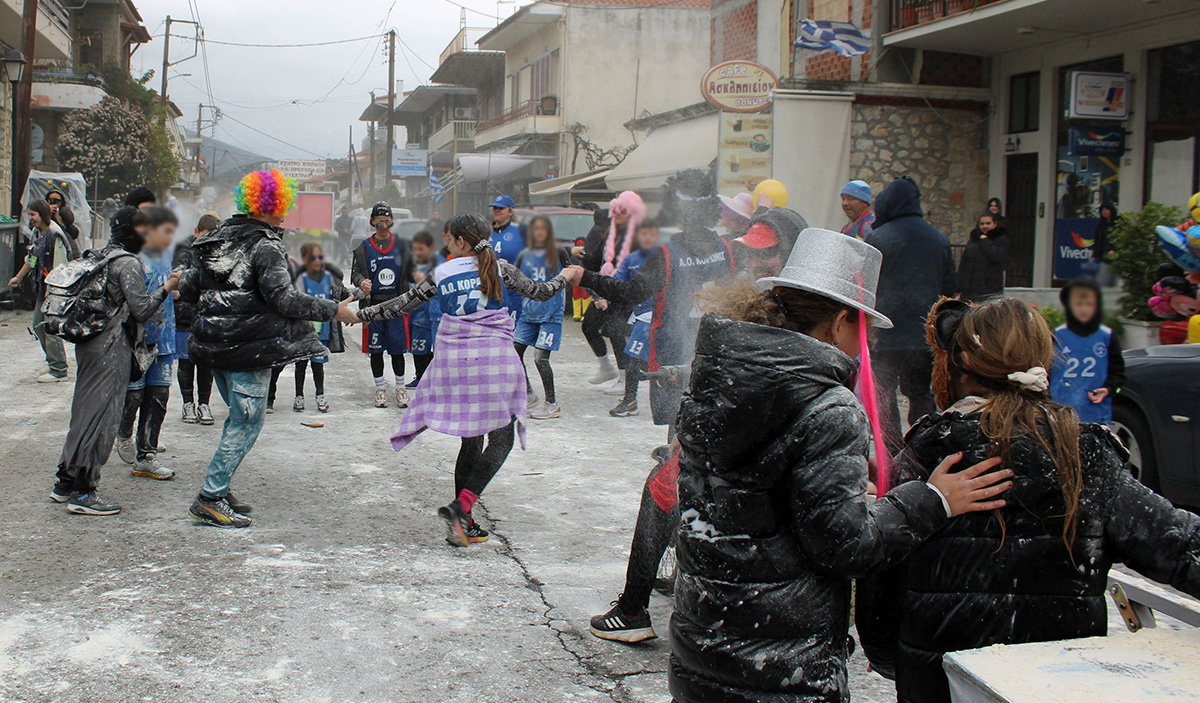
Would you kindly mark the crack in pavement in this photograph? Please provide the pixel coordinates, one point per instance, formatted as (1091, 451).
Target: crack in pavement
(611, 683)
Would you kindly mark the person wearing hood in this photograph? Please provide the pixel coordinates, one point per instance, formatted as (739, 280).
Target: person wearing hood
(918, 268)
(1102, 246)
(249, 317)
(768, 240)
(775, 518)
(1088, 366)
(981, 269)
(141, 198)
(103, 368)
(1037, 569)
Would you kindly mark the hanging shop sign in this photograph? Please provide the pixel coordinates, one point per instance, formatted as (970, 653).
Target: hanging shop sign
(745, 154)
(1099, 95)
(1093, 140)
(740, 86)
(409, 163)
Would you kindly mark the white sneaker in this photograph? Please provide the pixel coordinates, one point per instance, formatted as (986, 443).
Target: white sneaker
(617, 388)
(150, 468)
(322, 404)
(606, 372)
(189, 413)
(298, 404)
(380, 398)
(532, 401)
(48, 378)
(401, 397)
(127, 450)
(549, 411)
(205, 414)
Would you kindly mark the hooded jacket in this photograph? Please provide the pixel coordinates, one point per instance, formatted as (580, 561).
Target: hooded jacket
(775, 518)
(1101, 244)
(184, 312)
(976, 583)
(981, 269)
(918, 265)
(248, 313)
(593, 244)
(1088, 356)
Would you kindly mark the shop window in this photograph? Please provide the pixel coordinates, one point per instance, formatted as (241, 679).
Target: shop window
(1024, 102)
(1173, 124)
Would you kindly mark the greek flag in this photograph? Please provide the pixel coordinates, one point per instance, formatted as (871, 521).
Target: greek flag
(825, 35)
(436, 190)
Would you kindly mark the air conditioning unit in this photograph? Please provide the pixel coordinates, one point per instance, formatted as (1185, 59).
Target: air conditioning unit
(464, 113)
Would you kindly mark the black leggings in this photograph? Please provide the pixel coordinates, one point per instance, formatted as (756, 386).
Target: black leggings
(651, 536)
(202, 377)
(541, 359)
(476, 466)
(318, 370)
(147, 407)
(377, 365)
(634, 368)
(420, 363)
(597, 325)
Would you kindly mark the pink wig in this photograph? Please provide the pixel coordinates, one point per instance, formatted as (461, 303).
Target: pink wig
(630, 203)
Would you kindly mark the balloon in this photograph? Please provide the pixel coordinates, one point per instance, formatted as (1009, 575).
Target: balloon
(772, 192)
(1175, 243)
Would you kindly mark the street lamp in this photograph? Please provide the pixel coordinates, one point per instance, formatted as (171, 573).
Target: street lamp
(13, 68)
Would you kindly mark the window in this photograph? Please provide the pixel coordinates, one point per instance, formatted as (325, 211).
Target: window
(544, 78)
(1023, 102)
(514, 89)
(91, 48)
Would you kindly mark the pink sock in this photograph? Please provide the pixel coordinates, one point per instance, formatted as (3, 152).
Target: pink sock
(467, 500)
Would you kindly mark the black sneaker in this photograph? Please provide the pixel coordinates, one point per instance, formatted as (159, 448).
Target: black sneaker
(476, 534)
(625, 408)
(457, 524)
(217, 513)
(238, 506)
(617, 626)
(91, 503)
(61, 492)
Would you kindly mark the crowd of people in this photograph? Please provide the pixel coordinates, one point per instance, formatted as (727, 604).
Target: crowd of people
(993, 520)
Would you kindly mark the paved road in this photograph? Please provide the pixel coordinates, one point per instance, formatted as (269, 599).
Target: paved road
(344, 589)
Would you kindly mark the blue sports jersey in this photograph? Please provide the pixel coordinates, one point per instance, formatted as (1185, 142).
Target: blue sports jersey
(532, 263)
(156, 268)
(508, 243)
(458, 293)
(423, 320)
(385, 266)
(322, 289)
(628, 270)
(1081, 366)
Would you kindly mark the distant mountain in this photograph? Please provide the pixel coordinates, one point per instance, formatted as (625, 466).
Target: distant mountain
(231, 161)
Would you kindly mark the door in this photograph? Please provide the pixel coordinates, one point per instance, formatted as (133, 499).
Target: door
(1020, 217)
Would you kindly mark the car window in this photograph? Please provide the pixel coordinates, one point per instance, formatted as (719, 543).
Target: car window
(406, 230)
(569, 227)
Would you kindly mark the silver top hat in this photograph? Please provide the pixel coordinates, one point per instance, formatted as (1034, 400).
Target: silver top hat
(835, 266)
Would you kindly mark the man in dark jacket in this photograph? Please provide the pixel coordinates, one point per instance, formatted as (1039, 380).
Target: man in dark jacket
(918, 268)
(195, 382)
(249, 317)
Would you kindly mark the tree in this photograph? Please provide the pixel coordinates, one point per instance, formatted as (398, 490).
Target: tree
(1138, 255)
(117, 148)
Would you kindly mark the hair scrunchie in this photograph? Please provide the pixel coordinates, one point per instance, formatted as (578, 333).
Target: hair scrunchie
(1035, 379)
(482, 244)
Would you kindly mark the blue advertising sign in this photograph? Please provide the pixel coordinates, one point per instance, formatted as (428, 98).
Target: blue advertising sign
(1090, 140)
(1073, 241)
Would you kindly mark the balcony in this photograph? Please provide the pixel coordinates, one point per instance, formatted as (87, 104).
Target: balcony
(59, 88)
(53, 28)
(463, 41)
(530, 117)
(910, 13)
(457, 135)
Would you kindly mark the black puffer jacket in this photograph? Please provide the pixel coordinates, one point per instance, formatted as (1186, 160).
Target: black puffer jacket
(981, 270)
(973, 585)
(248, 313)
(185, 312)
(775, 519)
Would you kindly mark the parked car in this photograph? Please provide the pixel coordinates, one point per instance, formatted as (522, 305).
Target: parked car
(1157, 416)
(569, 223)
(405, 228)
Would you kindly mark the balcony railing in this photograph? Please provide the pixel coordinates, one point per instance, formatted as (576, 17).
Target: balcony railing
(453, 131)
(463, 41)
(545, 106)
(57, 74)
(909, 13)
(56, 13)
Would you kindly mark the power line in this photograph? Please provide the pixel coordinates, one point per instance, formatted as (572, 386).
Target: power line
(281, 46)
(272, 136)
(471, 9)
(415, 54)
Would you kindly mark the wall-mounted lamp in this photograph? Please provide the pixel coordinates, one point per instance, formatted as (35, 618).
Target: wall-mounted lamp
(1013, 144)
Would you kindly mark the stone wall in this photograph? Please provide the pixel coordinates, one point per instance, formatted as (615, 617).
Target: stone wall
(943, 150)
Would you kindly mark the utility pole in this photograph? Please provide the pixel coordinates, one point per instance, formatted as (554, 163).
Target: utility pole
(351, 167)
(387, 159)
(23, 108)
(166, 64)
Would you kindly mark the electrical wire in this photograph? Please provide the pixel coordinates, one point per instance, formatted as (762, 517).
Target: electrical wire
(281, 46)
(272, 136)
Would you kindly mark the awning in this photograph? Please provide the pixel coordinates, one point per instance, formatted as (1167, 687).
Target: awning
(667, 150)
(478, 168)
(561, 186)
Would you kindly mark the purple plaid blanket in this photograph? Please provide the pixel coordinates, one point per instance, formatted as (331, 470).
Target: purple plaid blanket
(474, 385)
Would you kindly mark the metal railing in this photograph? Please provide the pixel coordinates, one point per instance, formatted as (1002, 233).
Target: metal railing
(909, 13)
(528, 108)
(453, 131)
(463, 41)
(57, 74)
(56, 13)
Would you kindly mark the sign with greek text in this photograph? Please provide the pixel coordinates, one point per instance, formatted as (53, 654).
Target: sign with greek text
(740, 86)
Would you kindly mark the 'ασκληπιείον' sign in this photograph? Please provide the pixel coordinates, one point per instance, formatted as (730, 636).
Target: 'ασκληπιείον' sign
(740, 86)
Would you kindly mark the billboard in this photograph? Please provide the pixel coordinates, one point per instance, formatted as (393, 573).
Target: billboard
(409, 163)
(744, 155)
(302, 169)
(314, 210)
(1073, 241)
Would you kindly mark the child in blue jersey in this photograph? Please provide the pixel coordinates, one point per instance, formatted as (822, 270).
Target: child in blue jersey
(472, 390)
(318, 282)
(423, 321)
(508, 240)
(540, 323)
(382, 269)
(146, 398)
(637, 349)
(1088, 368)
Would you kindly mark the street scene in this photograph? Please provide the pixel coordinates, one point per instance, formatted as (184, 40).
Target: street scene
(669, 351)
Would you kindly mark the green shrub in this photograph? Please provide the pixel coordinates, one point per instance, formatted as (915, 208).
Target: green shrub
(1055, 317)
(1138, 255)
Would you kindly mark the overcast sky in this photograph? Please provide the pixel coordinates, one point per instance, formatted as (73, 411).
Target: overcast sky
(257, 86)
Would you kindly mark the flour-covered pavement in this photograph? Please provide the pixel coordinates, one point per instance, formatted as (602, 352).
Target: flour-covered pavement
(343, 590)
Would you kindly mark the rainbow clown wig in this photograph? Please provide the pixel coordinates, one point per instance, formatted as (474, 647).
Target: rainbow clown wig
(265, 193)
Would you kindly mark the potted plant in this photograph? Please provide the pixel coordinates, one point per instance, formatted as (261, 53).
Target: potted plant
(549, 105)
(1136, 259)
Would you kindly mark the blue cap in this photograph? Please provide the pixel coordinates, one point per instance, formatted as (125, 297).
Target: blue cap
(859, 190)
(503, 201)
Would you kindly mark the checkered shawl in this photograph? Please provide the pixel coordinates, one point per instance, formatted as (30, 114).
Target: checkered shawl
(474, 385)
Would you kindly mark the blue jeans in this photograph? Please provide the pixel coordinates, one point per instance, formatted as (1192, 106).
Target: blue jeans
(246, 394)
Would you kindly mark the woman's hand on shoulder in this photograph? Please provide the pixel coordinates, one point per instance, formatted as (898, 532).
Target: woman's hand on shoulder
(972, 489)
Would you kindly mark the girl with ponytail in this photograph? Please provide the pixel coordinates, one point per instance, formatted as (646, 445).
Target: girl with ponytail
(1036, 569)
(475, 386)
